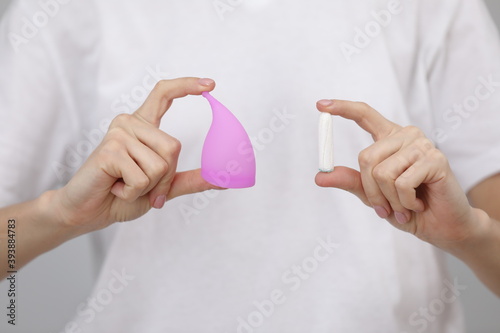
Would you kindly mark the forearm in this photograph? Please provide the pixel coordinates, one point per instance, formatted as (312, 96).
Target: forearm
(482, 251)
(30, 228)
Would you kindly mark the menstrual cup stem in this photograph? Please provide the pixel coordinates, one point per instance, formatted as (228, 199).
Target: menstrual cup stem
(213, 102)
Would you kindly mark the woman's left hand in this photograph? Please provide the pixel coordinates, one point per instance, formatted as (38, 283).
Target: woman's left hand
(405, 178)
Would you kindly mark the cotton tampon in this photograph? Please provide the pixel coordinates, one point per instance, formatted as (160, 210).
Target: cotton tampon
(325, 142)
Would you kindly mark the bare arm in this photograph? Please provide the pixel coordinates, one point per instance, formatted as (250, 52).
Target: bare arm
(130, 172)
(29, 229)
(483, 256)
(486, 196)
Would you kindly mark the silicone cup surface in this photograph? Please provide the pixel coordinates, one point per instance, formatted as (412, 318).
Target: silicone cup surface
(228, 158)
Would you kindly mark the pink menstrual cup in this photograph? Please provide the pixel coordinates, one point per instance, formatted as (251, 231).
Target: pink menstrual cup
(228, 158)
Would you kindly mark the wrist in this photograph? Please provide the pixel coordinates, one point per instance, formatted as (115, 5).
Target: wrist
(478, 238)
(39, 228)
(54, 219)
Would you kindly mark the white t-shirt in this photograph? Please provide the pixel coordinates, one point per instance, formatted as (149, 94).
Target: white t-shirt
(284, 256)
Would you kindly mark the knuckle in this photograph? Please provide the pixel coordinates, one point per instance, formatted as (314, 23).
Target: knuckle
(381, 174)
(401, 184)
(437, 156)
(424, 143)
(141, 182)
(413, 131)
(364, 105)
(414, 154)
(160, 168)
(365, 110)
(161, 85)
(366, 158)
(176, 146)
(121, 120)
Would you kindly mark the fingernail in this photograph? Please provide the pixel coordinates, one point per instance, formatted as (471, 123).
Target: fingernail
(160, 202)
(206, 82)
(401, 218)
(325, 102)
(381, 212)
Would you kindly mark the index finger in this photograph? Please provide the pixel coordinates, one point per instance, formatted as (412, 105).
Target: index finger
(165, 91)
(364, 115)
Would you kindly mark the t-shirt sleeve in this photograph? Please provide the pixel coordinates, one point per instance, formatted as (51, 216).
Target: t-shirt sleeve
(46, 85)
(464, 84)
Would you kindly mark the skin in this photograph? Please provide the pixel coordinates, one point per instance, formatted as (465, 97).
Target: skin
(408, 182)
(402, 176)
(130, 172)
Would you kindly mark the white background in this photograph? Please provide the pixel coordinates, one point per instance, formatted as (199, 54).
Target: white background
(52, 286)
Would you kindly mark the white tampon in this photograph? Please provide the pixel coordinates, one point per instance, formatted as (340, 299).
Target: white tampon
(325, 142)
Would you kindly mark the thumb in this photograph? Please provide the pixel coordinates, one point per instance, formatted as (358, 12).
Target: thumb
(189, 182)
(165, 91)
(344, 178)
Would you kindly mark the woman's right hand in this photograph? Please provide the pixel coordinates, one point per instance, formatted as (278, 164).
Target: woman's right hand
(134, 168)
